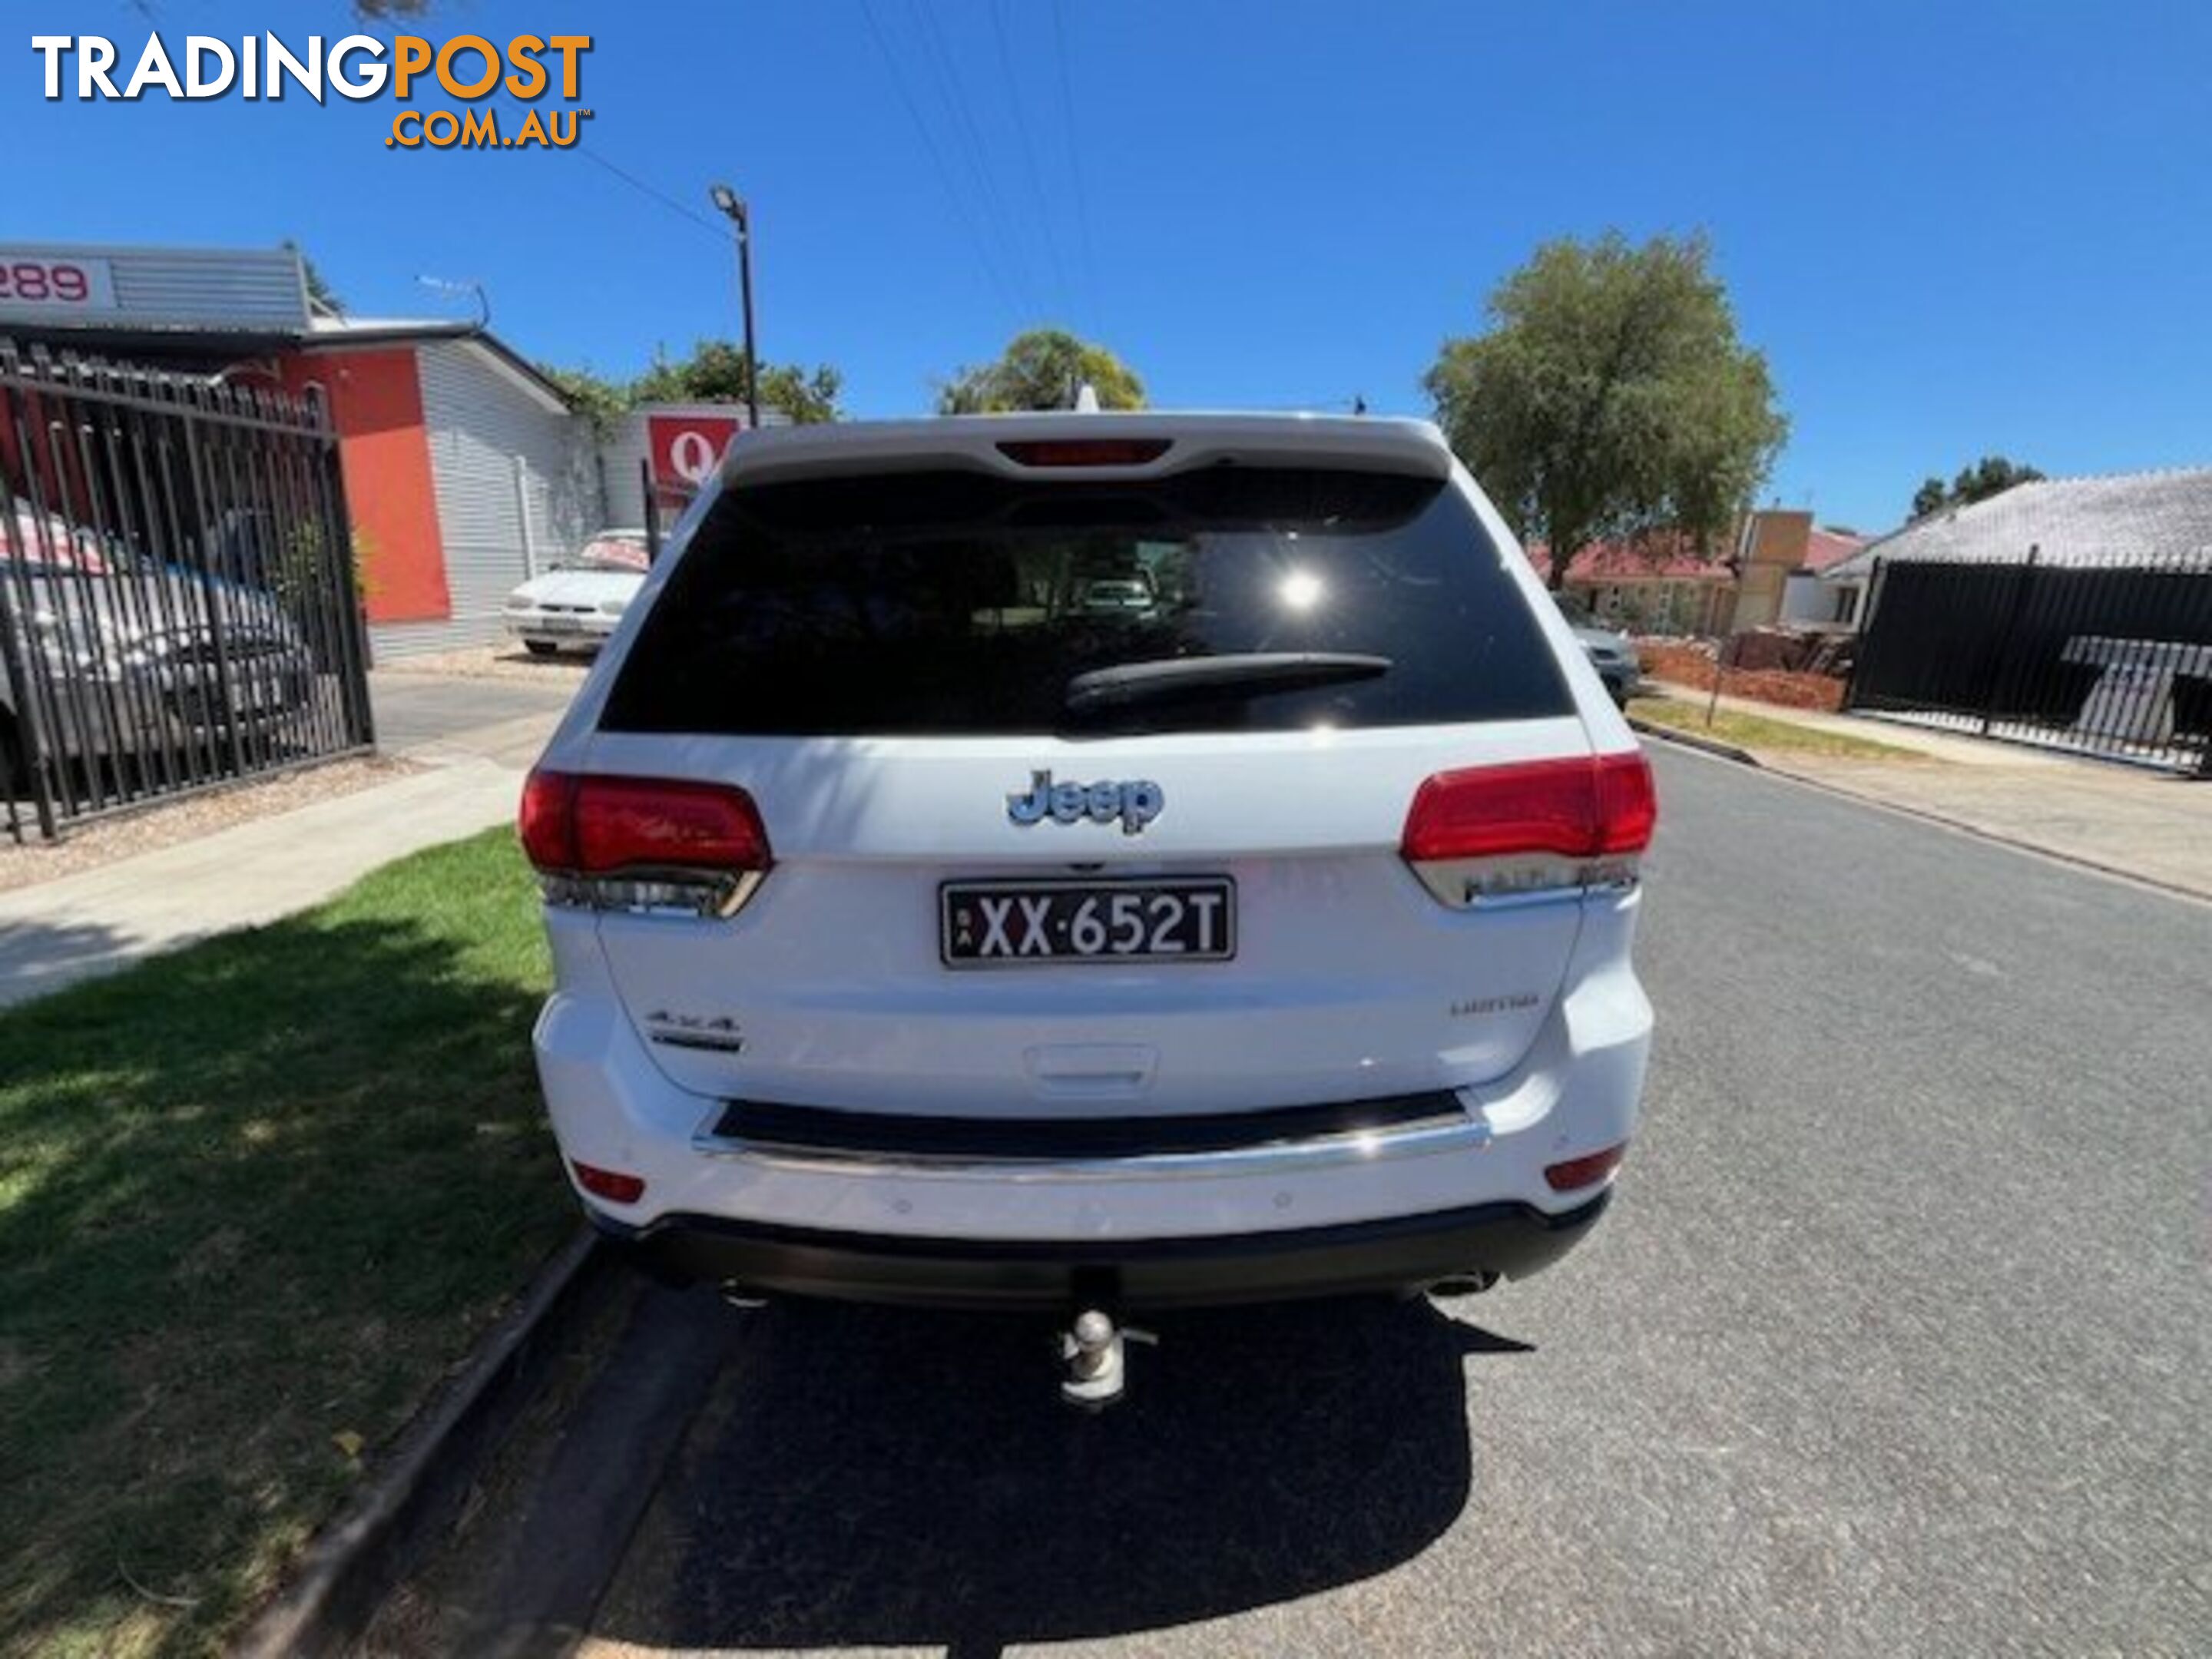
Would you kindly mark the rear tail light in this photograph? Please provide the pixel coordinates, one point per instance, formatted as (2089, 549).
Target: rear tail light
(547, 822)
(1085, 451)
(1531, 827)
(643, 844)
(1586, 1170)
(612, 1185)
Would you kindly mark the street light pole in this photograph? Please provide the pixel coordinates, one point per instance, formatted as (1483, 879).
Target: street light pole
(732, 207)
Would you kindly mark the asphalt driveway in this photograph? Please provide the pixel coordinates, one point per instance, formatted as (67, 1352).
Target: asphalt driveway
(416, 710)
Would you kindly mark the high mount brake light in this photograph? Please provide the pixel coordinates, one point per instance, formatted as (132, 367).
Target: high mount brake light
(648, 844)
(1085, 452)
(1529, 827)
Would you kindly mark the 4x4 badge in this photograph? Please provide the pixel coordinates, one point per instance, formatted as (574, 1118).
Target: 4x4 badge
(1136, 803)
(682, 1030)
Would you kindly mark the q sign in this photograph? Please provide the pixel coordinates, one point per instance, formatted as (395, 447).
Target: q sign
(685, 448)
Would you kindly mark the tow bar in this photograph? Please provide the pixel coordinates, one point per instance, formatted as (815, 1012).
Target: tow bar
(1096, 1355)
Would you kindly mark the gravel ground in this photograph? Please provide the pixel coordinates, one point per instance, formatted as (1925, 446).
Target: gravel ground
(108, 840)
(496, 662)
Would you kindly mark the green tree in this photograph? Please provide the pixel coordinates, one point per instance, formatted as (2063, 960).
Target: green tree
(599, 399)
(1611, 397)
(1991, 476)
(715, 372)
(808, 397)
(320, 294)
(1042, 369)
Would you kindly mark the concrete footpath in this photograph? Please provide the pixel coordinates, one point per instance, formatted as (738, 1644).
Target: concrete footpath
(474, 743)
(2123, 819)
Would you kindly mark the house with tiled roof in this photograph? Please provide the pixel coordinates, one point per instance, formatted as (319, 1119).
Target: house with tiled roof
(2114, 521)
(1655, 585)
(1806, 599)
(1768, 572)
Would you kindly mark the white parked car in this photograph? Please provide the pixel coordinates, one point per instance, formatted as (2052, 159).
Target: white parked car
(926, 931)
(577, 604)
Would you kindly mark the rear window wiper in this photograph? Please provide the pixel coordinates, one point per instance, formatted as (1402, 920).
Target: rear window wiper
(1250, 673)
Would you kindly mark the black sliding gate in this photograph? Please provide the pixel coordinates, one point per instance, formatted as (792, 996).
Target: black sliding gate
(178, 600)
(2106, 659)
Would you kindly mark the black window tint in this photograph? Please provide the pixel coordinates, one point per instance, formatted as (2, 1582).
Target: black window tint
(962, 604)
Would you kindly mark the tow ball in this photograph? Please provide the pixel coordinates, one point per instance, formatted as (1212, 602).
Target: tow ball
(1096, 1354)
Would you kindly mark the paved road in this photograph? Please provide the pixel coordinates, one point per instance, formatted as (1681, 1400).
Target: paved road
(1897, 1342)
(413, 710)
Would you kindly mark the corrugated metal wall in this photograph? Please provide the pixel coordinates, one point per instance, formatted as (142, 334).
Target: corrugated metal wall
(250, 288)
(239, 289)
(479, 416)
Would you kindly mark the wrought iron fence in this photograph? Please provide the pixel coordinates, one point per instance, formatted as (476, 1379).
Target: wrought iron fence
(179, 606)
(2109, 659)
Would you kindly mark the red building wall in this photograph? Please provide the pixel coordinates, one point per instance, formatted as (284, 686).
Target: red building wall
(376, 402)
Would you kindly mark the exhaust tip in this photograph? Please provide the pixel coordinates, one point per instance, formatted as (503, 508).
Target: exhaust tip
(1466, 1283)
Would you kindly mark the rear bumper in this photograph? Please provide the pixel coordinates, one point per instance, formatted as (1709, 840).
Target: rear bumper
(1219, 1201)
(1391, 1253)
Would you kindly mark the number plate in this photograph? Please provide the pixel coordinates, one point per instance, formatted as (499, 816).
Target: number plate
(1005, 924)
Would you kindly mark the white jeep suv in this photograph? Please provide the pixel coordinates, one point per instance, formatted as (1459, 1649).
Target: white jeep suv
(927, 930)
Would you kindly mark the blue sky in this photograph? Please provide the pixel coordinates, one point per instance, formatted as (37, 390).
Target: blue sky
(1953, 227)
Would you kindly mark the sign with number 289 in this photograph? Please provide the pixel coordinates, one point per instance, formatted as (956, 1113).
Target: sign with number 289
(28, 284)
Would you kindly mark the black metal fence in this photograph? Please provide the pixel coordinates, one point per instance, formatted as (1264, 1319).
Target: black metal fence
(178, 605)
(2108, 660)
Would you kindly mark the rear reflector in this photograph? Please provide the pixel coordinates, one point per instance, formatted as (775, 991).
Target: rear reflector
(1587, 1171)
(596, 825)
(610, 1184)
(1592, 807)
(1085, 451)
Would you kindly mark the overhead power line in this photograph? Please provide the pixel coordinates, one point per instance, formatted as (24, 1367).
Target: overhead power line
(659, 195)
(1068, 117)
(1029, 156)
(968, 141)
(952, 195)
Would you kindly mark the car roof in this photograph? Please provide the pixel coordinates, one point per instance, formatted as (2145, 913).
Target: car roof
(973, 443)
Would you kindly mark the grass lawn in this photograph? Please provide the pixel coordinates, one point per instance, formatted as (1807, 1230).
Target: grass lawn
(1758, 732)
(256, 1198)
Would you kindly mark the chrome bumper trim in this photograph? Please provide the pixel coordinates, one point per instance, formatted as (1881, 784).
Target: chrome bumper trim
(1456, 1133)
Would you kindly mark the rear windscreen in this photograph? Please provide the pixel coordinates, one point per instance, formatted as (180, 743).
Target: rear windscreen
(959, 604)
